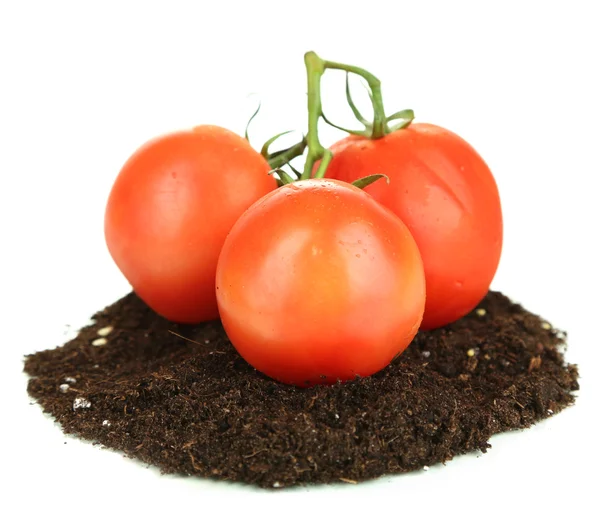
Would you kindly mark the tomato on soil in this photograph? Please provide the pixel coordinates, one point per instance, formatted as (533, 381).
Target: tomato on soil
(318, 282)
(169, 212)
(446, 195)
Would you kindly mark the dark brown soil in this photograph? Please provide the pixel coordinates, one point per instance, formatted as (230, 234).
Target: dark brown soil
(200, 409)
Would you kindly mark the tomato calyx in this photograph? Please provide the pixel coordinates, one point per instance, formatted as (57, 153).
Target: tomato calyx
(283, 157)
(278, 159)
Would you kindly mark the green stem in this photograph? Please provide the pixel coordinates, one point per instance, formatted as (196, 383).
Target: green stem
(325, 160)
(314, 71)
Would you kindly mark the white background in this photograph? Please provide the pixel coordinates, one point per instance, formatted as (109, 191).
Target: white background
(83, 84)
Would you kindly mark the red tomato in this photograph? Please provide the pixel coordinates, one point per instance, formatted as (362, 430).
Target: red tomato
(446, 195)
(169, 212)
(318, 282)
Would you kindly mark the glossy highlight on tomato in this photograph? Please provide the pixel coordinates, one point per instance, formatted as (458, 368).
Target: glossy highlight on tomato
(444, 192)
(317, 282)
(170, 209)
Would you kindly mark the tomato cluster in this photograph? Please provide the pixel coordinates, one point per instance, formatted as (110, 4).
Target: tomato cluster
(316, 281)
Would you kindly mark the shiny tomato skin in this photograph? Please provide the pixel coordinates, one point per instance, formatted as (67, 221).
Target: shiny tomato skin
(444, 192)
(317, 282)
(170, 209)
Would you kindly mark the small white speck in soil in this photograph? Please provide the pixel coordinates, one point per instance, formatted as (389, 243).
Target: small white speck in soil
(480, 312)
(70, 380)
(103, 332)
(546, 326)
(426, 354)
(106, 422)
(63, 388)
(425, 468)
(277, 484)
(99, 341)
(81, 403)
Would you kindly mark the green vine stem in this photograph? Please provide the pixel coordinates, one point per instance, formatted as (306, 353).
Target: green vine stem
(315, 68)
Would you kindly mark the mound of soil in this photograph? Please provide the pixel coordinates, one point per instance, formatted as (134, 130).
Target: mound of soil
(130, 384)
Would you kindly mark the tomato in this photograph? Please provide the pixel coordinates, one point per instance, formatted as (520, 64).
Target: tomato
(170, 209)
(445, 193)
(318, 282)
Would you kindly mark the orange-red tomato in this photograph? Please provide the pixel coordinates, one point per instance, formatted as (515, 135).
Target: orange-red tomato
(445, 193)
(171, 208)
(318, 282)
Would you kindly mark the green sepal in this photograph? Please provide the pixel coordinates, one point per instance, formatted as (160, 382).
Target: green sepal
(407, 116)
(284, 177)
(265, 148)
(297, 173)
(364, 133)
(250, 121)
(281, 158)
(369, 179)
(353, 106)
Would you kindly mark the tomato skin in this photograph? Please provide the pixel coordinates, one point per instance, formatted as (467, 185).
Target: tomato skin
(318, 282)
(445, 193)
(170, 209)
